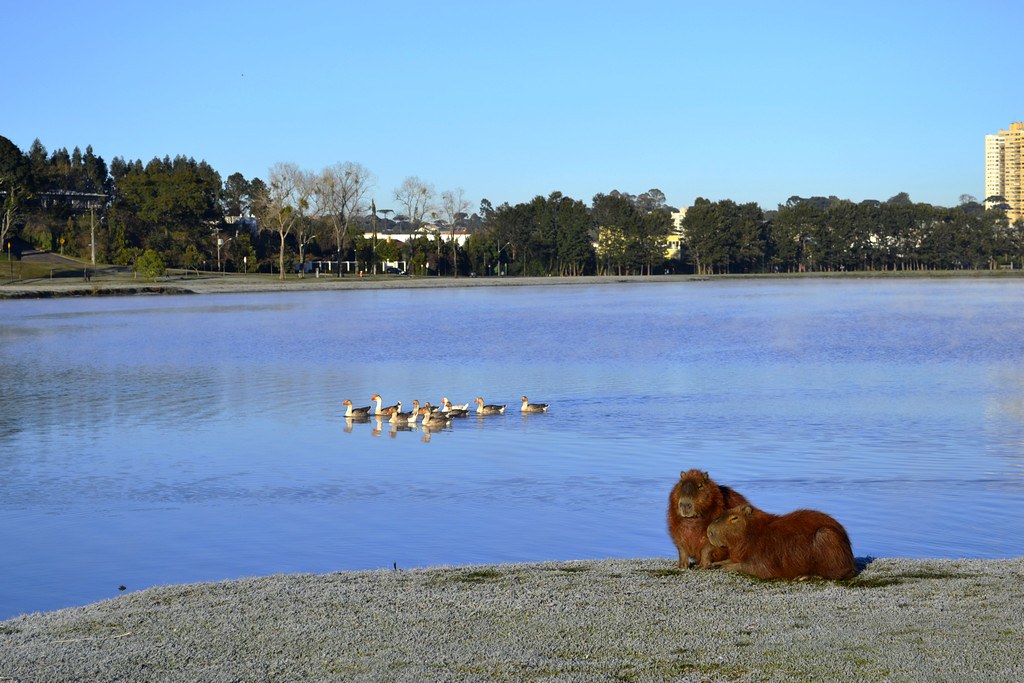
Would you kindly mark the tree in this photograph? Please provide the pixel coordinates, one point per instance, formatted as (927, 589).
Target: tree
(235, 197)
(716, 233)
(149, 265)
(792, 231)
(165, 205)
(13, 197)
(574, 241)
(288, 198)
(453, 208)
(14, 185)
(633, 235)
(191, 258)
(652, 238)
(614, 213)
(652, 200)
(341, 197)
(416, 198)
(388, 250)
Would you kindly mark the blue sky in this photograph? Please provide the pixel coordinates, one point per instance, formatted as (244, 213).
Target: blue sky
(750, 101)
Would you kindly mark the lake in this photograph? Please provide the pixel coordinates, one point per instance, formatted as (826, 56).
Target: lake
(156, 440)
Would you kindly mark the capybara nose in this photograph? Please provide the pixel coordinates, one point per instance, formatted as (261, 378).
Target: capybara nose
(686, 509)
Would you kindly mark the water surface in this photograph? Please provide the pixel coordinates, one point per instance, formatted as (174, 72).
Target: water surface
(162, 440)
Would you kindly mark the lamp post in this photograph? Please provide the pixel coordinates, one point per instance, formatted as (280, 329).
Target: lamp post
(373, 247)
(302, 255)
(385, 212)
(220, 243)
(500, 249)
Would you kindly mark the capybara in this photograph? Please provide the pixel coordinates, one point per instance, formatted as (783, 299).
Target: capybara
(696, 501)
(798, 545)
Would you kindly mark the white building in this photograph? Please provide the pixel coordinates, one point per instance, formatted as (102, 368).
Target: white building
(425, 230)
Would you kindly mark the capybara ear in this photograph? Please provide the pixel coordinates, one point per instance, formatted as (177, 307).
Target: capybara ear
(748, 511)
(706, 477)
(682, 475)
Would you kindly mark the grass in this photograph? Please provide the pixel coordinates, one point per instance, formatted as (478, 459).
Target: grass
(478, 576)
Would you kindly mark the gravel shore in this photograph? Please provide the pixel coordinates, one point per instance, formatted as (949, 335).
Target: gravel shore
(610, 620)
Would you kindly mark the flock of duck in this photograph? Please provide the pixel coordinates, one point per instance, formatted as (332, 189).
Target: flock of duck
(433, 416)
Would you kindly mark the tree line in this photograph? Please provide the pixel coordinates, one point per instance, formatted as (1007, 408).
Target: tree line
(179, 212)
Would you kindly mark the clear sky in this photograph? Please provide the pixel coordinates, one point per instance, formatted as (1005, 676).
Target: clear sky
(750, 101)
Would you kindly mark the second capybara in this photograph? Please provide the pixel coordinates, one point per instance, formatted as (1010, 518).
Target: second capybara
(696, 501)
(799, 545)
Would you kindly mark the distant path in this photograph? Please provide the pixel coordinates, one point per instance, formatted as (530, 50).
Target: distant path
(50, 258)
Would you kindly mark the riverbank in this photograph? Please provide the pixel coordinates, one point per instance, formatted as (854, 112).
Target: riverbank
(633, 620)
(99, 285)
(119, 282)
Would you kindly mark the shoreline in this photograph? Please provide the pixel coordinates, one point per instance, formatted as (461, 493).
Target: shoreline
(121, 284)
(635, 619)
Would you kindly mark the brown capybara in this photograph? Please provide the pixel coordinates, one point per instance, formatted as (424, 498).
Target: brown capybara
(799, 545)
(696, 501)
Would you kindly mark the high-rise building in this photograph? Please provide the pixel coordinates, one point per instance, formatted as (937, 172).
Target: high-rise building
(1004, 170)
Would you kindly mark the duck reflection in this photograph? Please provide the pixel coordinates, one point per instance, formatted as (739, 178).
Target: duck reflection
(350, 421)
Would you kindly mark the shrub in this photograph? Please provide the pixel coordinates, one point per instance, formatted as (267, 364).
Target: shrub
(150, 265)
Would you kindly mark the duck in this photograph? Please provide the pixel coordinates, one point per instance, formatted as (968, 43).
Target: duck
(385, 411)
(460, 406)
(355, 412)
(485, 409)
(454, 411)
(533, 407)
(406, 418)
(434, 420)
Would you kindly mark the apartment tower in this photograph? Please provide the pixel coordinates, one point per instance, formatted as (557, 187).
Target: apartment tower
(1004, 169)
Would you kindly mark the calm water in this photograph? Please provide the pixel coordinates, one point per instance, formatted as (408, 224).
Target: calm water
(146, 441)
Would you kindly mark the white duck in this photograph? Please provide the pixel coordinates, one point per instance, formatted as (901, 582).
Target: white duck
(459, 406)
(453, 411)
(533, 407)
(487, 409)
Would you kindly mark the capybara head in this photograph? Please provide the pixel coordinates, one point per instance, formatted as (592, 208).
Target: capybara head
(730, 527)
(696, 493)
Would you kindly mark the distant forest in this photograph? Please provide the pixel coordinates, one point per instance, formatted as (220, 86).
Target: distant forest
(184, 214)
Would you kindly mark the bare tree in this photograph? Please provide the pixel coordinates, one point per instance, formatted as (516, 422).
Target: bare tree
(287, 200)
(453, 208)
(341, 196)
(13, 197)
(417, 198)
